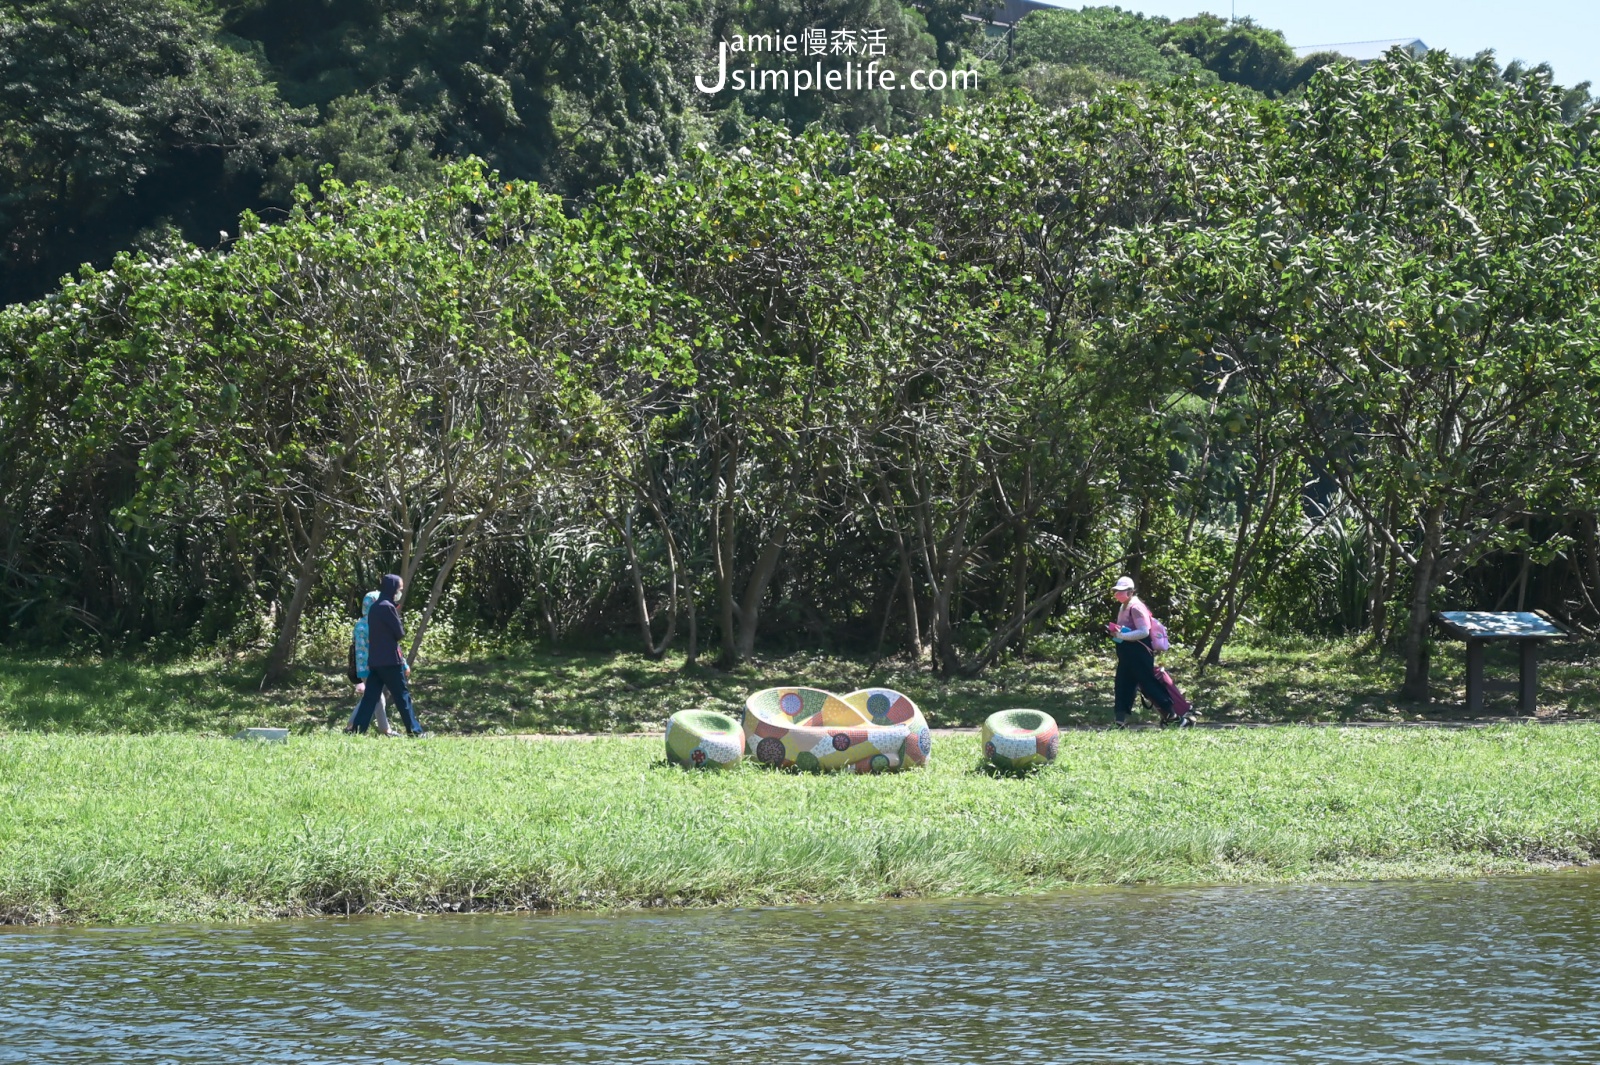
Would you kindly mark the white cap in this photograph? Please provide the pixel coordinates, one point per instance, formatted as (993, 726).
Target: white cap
(1124, 584)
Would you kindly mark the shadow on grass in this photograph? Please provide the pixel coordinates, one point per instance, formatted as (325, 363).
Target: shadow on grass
(1304, 680)
(126, 696)
(530, 690)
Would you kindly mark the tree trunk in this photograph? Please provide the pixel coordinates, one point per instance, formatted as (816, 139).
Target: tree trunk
(1591, 536)
(549, 618)
(908, 588)
(1019, 576)
(417, 550)
(692, 656)
(724, 539)
(908, 584)
(1019, 583)
(722, 555)
(728, 656)
(941, 568)
(283, 649)
(1415, 687)
(913, 617)
(1522, 578)
(652, 649)
(1208, 651)
(1224, 634)
(1233, 610)
(1007, 632)
(888, 614)
(439, 583)
(946, 655)
(756, 588)
(408, 558)
(1141, 530)
(1382, 579)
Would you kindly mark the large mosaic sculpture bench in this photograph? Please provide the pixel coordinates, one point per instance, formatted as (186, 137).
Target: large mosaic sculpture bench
(874, 730)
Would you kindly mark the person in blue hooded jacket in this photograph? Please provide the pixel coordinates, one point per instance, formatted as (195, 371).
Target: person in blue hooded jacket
(360, 644)
(386, 666)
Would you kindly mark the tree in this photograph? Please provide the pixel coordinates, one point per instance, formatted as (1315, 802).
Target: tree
(1240, 52)
(824, 389)
(574, 94)
(116, 119)
(951, 25)
(1404, 269)
(758, 262)
(467, 296)
(1108, 39)
(1026, 407)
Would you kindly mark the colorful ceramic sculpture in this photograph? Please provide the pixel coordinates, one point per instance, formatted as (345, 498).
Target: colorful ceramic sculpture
(1018, 740)
(704, 739)
(870, 731)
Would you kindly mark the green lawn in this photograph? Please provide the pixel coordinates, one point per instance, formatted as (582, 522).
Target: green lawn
(177, 827)
(540, 691)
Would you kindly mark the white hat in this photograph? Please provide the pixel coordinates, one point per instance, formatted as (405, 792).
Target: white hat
(1124, 584)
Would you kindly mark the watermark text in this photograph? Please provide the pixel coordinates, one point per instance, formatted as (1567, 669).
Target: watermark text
(845, 59)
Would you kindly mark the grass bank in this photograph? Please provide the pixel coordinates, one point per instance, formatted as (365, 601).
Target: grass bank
(145, 828)
(525, 690)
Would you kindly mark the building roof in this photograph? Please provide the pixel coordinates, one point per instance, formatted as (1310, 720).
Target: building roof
(1365, 51)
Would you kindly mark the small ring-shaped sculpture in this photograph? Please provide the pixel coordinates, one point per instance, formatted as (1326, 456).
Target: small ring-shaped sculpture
(1019, 740)
(704, 739)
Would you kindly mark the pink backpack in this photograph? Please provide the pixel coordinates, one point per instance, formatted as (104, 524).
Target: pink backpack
(1158, 634)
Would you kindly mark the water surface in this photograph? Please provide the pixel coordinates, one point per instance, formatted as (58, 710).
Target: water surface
(1494, 971)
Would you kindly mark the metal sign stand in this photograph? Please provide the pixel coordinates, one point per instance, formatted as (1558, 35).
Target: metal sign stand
(1482, 627)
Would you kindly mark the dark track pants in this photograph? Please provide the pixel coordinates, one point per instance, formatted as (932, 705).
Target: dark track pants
(1136, 672)
(393, 678)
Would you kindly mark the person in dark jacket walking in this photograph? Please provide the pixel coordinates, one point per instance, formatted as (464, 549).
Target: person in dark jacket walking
(1136, 658)
(386, 666)
(359, 643)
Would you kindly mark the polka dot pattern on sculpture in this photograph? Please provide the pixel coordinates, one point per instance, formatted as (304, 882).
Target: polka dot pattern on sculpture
(815, 730)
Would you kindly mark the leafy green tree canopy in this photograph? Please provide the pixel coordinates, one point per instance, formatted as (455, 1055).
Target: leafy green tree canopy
(1108, 39)
(1243, 53)
(112, 115)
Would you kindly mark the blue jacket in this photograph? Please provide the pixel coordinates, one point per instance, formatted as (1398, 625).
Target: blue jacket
(360, 636)
(384, 630)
